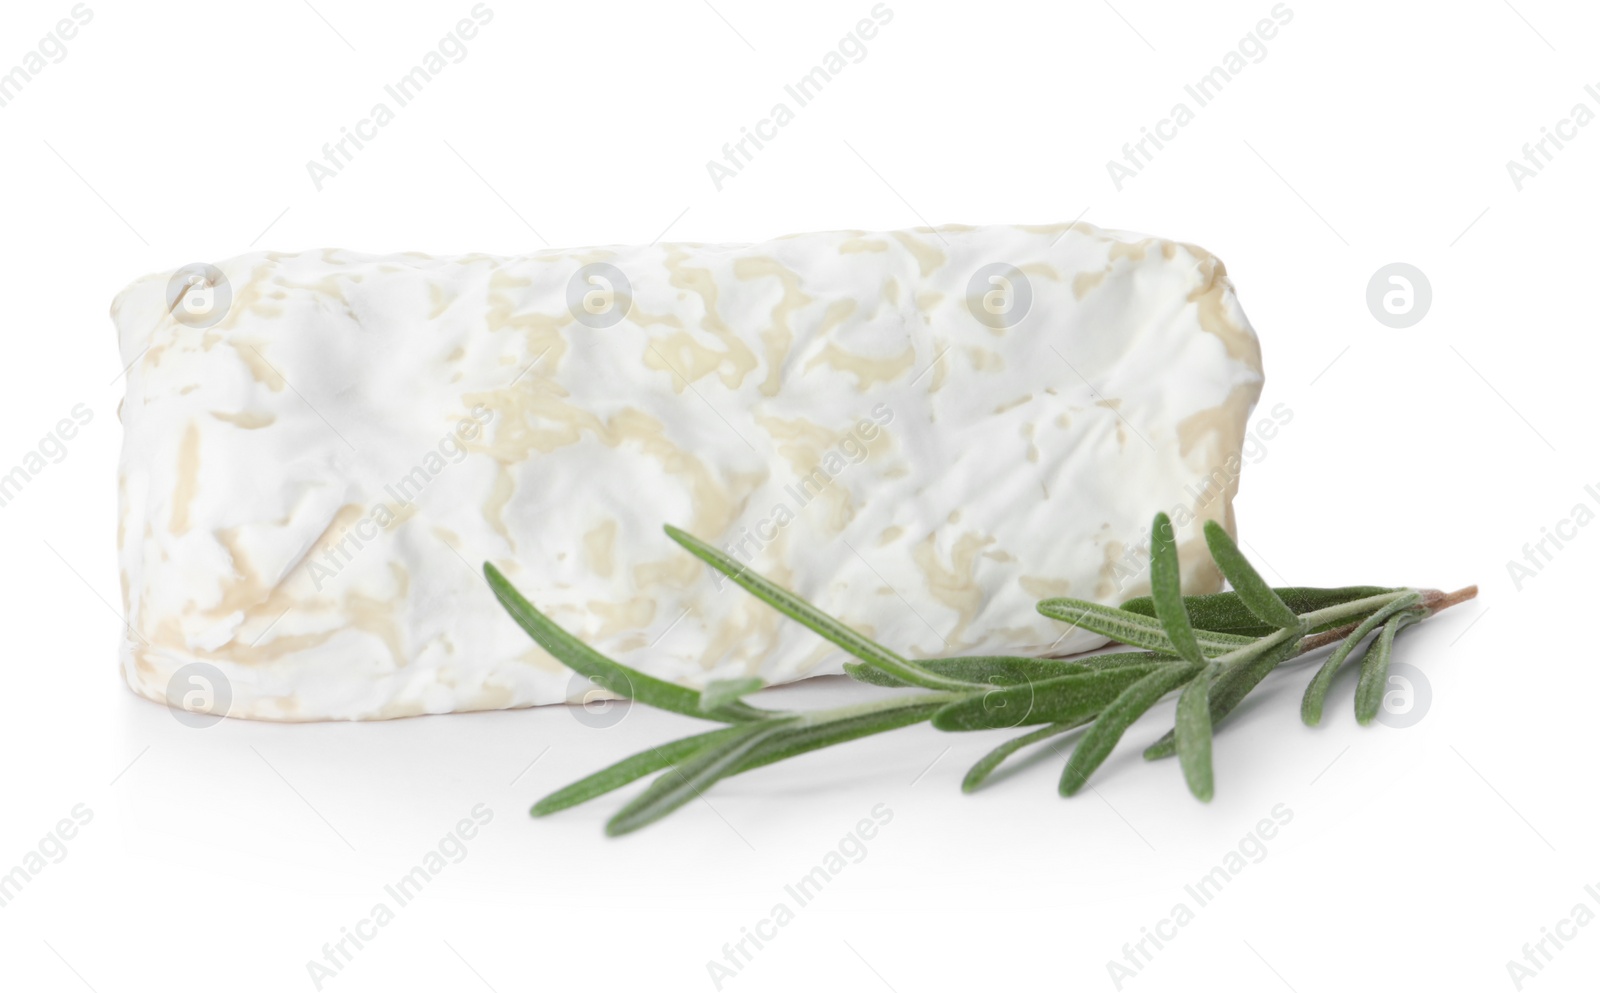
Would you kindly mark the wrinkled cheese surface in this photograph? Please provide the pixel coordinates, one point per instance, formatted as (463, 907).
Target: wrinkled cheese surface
(924, 432)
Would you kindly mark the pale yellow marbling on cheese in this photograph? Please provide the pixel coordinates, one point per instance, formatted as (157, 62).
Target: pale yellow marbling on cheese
(824, 406)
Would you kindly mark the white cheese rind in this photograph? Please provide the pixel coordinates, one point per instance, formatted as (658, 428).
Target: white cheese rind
(973, 460)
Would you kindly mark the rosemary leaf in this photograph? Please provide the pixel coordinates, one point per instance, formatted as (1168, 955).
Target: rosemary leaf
(690, 777)
(1165, 591)
(1252, 589)
(1192, 733)
(888, 716)
(720, 693)
(1226, 613)
(1375, 667)
(1132, 629)
(794, 607)
(1235, 683)
(622, 773)
(1117, 660)
(861, 672)
(1095, 746)
(613, 676)
(979, 670)
(821, 734)
(1054, 701)
(1317, 693)
(980, 772)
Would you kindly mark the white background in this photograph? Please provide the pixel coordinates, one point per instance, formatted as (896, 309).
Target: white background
(1371, 133)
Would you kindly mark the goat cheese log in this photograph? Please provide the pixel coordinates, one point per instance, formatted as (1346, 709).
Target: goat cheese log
(924, 432)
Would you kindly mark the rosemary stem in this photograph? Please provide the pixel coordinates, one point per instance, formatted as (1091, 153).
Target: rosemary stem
(1354, 608)
(1245, 654)
(1436, 601)
(1322, 639)
(1433, 600)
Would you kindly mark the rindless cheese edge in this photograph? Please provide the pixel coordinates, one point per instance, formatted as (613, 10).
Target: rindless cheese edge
(923, 432)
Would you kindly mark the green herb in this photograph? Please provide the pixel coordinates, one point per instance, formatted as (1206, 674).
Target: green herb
(1212, 650)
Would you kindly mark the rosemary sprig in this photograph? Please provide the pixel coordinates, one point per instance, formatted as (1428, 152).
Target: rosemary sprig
(1212, 650)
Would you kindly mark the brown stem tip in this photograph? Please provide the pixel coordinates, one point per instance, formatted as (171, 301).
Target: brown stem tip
(1435, 601)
